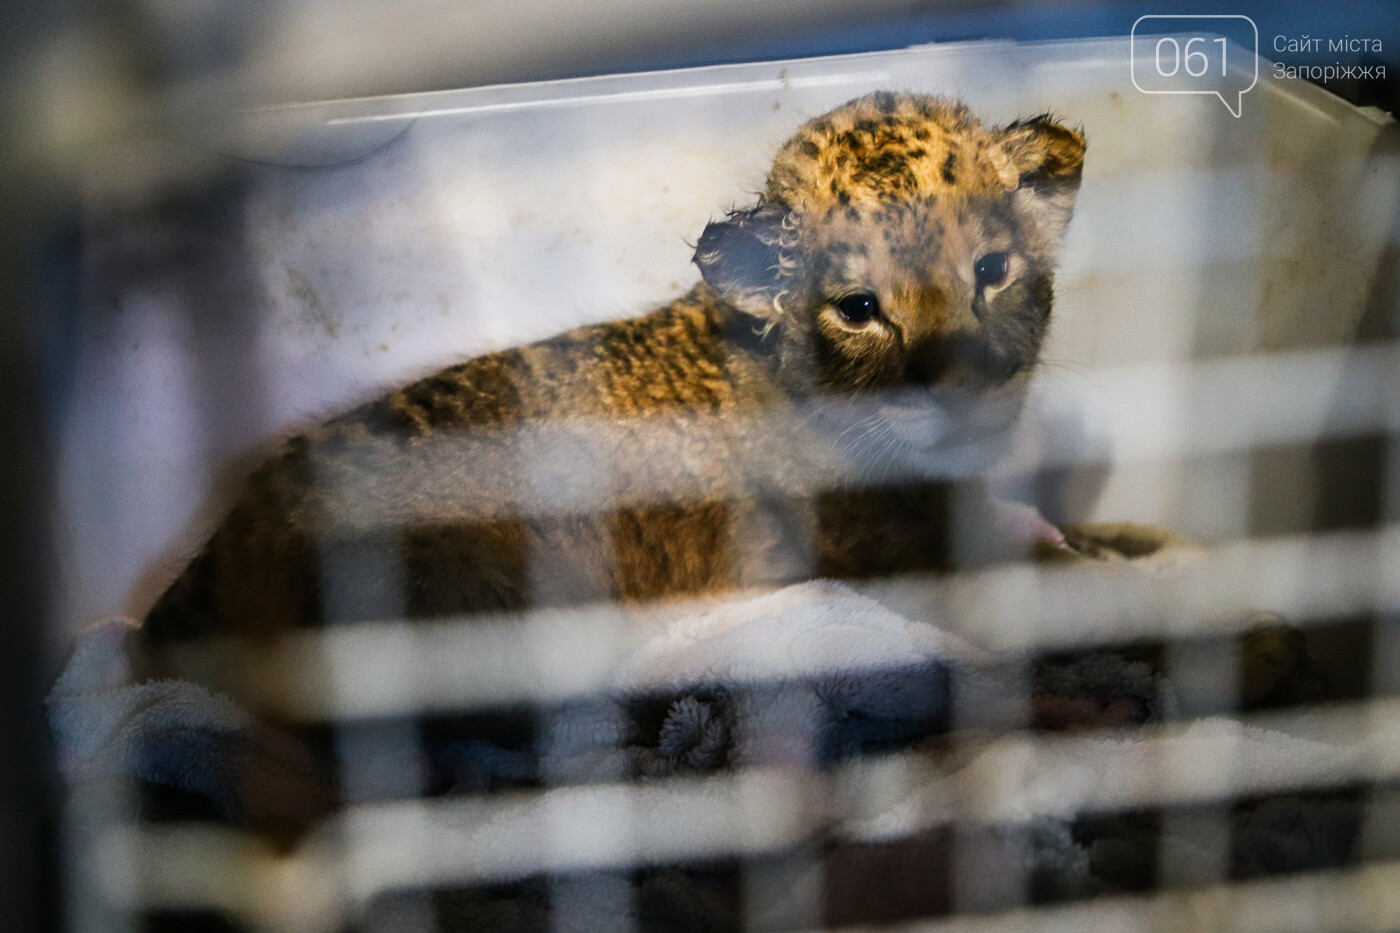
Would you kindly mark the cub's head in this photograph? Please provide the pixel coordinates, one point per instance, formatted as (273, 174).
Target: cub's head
(902, 248)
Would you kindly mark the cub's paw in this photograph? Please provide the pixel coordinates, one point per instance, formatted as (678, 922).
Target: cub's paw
(1118, 541)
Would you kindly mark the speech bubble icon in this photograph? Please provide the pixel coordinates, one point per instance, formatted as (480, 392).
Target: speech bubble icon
(1188, 55)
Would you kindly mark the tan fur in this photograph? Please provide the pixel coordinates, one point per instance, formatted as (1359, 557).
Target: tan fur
(426, 502)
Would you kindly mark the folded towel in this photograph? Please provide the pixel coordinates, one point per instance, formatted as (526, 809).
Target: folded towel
(807, 676)
(810, 673)
(177, 734)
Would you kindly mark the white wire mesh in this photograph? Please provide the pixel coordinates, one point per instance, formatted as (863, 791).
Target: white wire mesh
(590, 836)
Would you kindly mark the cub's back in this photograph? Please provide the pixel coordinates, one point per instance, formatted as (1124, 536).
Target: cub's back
(418, 503)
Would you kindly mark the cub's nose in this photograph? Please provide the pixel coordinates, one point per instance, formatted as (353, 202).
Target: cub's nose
(962, 361)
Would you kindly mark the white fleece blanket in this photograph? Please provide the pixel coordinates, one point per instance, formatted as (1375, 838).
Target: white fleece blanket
(852, 675)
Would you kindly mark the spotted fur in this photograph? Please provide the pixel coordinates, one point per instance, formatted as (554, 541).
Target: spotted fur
(899, 195)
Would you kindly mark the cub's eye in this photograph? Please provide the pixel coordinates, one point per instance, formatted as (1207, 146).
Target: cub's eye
(990, 270)
(859, 308)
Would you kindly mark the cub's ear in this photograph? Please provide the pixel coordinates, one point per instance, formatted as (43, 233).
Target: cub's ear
(1045, 163)
(740, 257)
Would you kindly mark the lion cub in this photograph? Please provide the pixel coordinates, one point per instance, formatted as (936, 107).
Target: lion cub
(869, 323)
